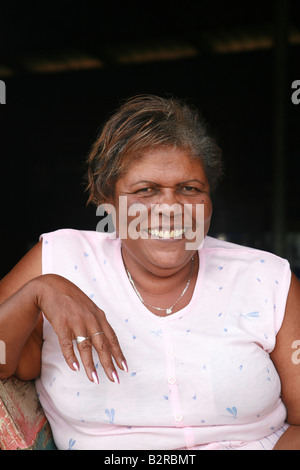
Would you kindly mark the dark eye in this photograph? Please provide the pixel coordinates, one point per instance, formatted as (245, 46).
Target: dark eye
(189, 188)
(144, 190)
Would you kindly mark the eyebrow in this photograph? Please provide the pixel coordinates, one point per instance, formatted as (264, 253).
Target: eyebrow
(179, 184)
(192, 181)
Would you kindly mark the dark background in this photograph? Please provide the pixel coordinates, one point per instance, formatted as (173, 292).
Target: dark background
(67, 65)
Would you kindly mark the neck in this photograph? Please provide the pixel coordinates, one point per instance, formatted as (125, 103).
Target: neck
(160, 282)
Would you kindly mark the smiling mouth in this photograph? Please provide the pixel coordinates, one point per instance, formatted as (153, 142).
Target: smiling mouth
(166, 234)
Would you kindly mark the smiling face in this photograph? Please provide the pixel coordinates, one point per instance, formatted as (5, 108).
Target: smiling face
(162, 176)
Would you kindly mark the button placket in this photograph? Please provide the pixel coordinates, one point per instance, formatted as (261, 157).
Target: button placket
(171, 378)
(178, 417)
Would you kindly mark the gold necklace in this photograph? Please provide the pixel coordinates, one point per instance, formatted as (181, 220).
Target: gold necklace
(169, 309)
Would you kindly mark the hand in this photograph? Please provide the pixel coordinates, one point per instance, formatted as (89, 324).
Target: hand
(71, 314)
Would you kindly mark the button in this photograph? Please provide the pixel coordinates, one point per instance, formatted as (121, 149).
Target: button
(171, 380)
(178, 417)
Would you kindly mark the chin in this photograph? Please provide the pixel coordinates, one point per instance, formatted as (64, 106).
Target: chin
(167, 258)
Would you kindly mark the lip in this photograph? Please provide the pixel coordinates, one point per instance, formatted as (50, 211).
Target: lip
(167, 227)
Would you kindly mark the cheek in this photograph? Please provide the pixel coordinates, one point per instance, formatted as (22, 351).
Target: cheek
(202, 216)
(208, 209)
(131, 218)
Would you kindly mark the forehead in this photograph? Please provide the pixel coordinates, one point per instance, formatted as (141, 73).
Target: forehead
(165, 163)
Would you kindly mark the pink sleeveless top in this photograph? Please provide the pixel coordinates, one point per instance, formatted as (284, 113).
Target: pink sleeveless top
(201, 378)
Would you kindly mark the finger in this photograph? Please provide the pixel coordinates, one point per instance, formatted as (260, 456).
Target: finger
(101, 345)
(113, 343)
(66, 345)
(86, 354)
(115, 348)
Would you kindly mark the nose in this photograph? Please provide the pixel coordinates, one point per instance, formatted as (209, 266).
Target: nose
(168, 207)
(168, 196)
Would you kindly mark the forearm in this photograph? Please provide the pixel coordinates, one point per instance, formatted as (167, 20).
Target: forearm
(290, 440)
(18, 317)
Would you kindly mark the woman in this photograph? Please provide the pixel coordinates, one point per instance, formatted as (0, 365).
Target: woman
(195, 340)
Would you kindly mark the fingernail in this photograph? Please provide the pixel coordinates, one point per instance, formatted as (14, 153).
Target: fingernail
(76, 366)
(125, 366)
(95, 378)
(115, 377)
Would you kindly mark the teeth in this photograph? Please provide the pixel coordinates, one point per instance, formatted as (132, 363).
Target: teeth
(166, 234)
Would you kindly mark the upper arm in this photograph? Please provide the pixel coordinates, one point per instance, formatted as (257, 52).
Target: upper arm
(29, 267)
(284, 354)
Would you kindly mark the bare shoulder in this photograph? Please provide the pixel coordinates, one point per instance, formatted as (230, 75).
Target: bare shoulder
(282, 356)
(291, 323)
(293, 299)
(29, 267)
